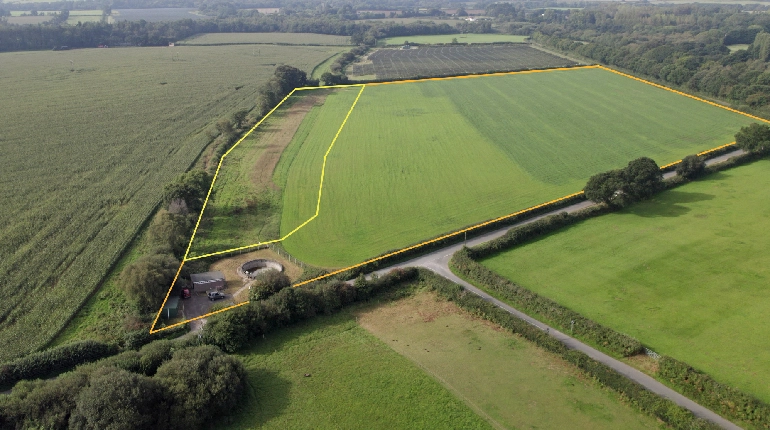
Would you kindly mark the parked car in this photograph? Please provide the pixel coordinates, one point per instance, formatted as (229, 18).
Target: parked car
(215, 295)
(185, 293)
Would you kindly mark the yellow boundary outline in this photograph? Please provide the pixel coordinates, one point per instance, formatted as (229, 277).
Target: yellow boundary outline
(323, 168)
(211, 187)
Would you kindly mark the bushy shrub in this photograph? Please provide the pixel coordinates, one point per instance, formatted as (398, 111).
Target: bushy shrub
(137, 338)
(52, 361)
(268, 283)
(232, 330)
(691, 167)
(639, 180)
(201, 383)
(118, 399)
(754, 138)
(42, 404)
(722, 399)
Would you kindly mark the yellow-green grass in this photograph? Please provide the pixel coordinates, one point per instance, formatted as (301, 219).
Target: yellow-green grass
(21, 20)
(419, 159)
(461, 38)
(355, 381)
(266, 38)
(324, 67)
(738, 47)
(83, 169)
(501, 376)
(687, 273)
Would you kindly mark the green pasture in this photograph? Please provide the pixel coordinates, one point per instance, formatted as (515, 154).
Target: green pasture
(84, 169)
(687, 273)
(266, 38)
(324, 67)
(355, 381)
(447, 38)
(506, 378)
(419, 159)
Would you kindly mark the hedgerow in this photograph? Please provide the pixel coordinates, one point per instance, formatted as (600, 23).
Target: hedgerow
(534, 303)
(53, 361)
(232, 330)
(648, 402)
(722, 399)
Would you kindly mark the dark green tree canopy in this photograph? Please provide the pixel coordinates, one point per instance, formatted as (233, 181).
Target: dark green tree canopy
(268, 283)
(643, 178)
(117, 399)
(192, 187)
(170, 232)
(691, 167)
(754, 138)
(147, 280)
(202, 382)
(604, 187)
(639, 180)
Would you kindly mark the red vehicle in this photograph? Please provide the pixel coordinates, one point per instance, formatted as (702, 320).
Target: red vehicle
(185, 293)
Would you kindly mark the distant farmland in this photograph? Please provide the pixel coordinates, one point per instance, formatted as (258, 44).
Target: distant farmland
(266, 38)
(447, 38)
(419, 159)
(686, 273)
(89, 139)
(452, 60)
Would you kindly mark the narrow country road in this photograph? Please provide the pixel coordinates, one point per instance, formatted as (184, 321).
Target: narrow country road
(438, 262)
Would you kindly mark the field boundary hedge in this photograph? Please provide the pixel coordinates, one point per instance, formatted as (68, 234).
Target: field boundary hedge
(701, 387)
(641, 398)
(53, 361)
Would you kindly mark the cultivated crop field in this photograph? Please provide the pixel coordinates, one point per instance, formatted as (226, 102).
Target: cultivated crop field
(452, 60)
(461, 38)
(456, 152)
(266, 38)
(155, 14)
(687, 274)
(89, 139)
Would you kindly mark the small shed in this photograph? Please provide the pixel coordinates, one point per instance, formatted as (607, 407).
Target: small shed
(208, 280)
(172, 307)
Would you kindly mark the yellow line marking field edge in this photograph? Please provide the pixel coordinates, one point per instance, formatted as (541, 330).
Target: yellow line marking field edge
(323, 168)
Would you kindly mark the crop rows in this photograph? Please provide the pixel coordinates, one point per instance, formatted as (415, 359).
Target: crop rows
(454, 60)
(86, 155)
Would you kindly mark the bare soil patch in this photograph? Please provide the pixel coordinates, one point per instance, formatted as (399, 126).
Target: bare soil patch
(277, 136)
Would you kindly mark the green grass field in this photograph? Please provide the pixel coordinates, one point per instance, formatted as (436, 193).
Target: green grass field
(686, 273)
(266, 38)
(502, 376)
(447, 38)
(419, 159)
(356, 382)
(89, 139)
(416, 375)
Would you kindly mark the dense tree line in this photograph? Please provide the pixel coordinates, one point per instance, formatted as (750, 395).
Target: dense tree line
(234, 329)
(683, 46)
(164, 385)
(142, 33)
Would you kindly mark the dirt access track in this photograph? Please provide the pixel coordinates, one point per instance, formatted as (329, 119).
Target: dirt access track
(277, 134)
